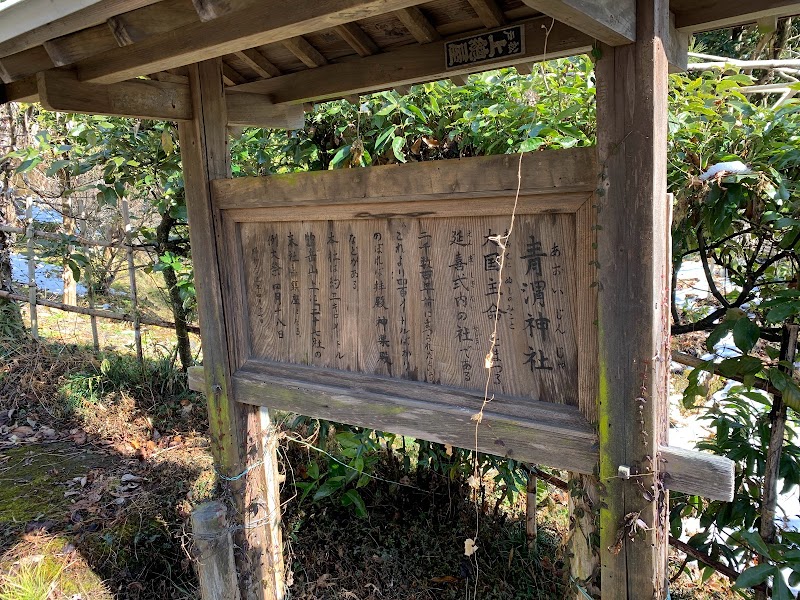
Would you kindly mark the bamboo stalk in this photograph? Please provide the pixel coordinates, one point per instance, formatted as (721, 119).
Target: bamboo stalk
(30, 233)
(103, 314)
(137, 330)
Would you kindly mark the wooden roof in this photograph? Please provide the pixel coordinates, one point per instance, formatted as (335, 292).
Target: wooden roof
(308, 50)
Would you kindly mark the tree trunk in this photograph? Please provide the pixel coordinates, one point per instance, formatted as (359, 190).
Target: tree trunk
(777, 424)
(10, 316)
(171, 279)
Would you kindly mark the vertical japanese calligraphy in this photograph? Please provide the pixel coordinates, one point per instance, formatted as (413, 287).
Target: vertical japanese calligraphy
(418, 298)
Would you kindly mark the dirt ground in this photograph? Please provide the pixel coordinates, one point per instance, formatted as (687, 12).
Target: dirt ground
(101, 462)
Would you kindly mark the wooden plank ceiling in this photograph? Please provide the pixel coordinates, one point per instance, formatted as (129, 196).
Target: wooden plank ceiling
(312, 51)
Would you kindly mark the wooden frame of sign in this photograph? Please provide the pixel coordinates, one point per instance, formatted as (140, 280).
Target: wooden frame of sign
(369, 297)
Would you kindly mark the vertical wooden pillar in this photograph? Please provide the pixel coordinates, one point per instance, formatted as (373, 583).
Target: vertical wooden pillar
(240, 434)
(633, 314)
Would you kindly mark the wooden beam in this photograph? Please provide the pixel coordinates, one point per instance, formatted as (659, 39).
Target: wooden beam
(633, 313)
(231, 76)
(255, 110)
(410, 65)
(208, 10)
(24, 90)
(168, 15)
(61, 91)
(71, 48)
(240, 435)
(686, 471)
(611, 21)
(92, 15)
(705, 16)
(265, 23)
(259, 63)
(676, 45)
(149, 99)
(25, 63)
(489, 13)
(308, 55)
(357, 39)
(418, 25)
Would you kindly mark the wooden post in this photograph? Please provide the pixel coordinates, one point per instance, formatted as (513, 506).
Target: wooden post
(137, 327)
(214, 546)
(531, 529)
(633, 312)
(89, 278)
(30, 234)
(237, 430)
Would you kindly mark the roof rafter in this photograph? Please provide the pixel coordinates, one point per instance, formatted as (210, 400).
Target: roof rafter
(409, 65)
(265, 23)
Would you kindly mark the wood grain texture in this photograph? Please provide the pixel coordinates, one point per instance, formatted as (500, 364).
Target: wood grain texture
(264, 24)
(705, 15)
(692, 472)
(71, 48)
(358, 40)
(308, 55)
(410, 65)
(214, 545)
(82, 19)
(61, 91)
(489, 13)
(259, 63)
(137, 25)
(255, 110)
(610, 21)
(418, 25)
(547, 434)
(236, 431)
(633, 323)
(18, 66)
(548, 172)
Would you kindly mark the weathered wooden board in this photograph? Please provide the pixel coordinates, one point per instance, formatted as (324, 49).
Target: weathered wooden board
(416, 298)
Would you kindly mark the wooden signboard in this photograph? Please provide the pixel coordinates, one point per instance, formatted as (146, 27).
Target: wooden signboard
(370, 297)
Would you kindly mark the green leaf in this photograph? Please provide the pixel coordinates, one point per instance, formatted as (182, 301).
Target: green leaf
(790, 392)
(720, 331)
(352, 497)
(754, 575)
(331, 486)
(779, 589)
(745, 334)
(783, 311)
(741, 365)
(56, 166)
(397, 148)
(29, 164)
(340, 157)
(313, 470)
(754, 539)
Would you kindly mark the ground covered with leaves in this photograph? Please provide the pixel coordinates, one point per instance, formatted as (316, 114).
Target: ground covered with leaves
(102, 460)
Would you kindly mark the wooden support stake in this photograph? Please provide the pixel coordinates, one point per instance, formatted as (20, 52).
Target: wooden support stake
(633, 315)
(89, 278)
(236, 429)
(531, 530)
(30, 234)
(137, 328)
(214, 546)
